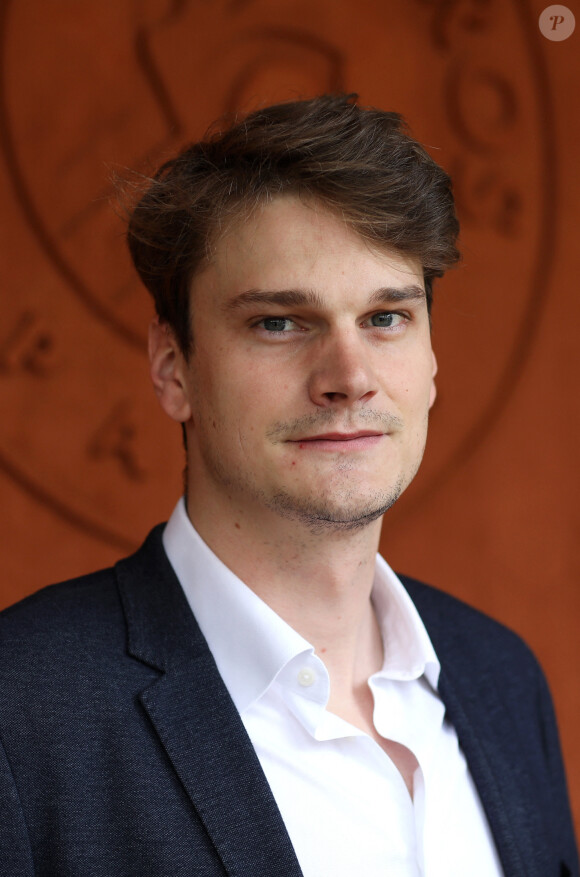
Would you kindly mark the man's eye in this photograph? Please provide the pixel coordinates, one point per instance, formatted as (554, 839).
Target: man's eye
(277, 324)
(387, 320)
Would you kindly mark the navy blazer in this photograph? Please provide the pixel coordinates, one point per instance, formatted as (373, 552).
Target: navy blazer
(122, 753)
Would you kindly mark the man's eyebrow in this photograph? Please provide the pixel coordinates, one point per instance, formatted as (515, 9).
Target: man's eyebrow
(397, 294)
(307, 297)
(284, 297)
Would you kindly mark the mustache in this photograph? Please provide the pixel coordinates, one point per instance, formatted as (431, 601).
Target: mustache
(329, 420)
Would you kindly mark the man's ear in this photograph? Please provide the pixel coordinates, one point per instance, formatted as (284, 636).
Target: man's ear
(433, 393)
(168, 371)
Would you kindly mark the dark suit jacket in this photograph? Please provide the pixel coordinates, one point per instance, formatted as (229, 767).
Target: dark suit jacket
(123, 756)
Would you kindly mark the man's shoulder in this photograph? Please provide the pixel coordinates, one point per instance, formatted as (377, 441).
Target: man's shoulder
(84, 613)
(81, 614)
(61, 595)
(459, 631)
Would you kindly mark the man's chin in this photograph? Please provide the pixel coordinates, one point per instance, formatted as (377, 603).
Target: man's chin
(321, 516)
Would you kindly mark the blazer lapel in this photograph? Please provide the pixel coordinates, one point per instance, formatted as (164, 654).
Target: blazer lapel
(197, 722)
(487, 732)
(505, 815)
(204, 737)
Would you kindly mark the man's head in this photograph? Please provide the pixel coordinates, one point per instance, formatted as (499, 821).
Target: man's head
(297, 249)
(357, 163)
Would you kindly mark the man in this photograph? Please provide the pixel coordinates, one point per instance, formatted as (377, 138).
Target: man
(254, 692)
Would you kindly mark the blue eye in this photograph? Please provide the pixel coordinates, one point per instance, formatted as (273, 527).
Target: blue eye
(277, 324)
(386, 320)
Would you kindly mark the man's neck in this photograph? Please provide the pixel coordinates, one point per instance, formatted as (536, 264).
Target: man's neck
(318, 582)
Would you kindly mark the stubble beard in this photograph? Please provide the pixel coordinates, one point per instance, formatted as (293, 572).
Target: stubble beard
(346, 511)
(349, 510)
(344, 515)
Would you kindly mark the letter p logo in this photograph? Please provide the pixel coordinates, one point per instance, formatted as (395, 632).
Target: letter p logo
(557, 23)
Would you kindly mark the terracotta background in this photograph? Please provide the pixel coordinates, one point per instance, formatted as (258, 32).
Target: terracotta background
(88, 464)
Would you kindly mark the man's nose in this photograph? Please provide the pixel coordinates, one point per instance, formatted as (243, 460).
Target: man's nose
(342, 371)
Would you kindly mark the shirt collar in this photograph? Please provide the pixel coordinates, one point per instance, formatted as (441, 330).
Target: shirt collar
(408, 651)
(252, 644)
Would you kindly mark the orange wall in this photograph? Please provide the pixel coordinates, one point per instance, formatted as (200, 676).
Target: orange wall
(87, 463)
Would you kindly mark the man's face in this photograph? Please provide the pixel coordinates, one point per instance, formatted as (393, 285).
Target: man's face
(311, 378)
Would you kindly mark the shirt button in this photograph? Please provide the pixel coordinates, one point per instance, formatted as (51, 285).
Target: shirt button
(306, 677)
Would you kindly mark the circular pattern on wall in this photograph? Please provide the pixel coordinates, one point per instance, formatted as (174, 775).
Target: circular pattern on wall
(90, 90)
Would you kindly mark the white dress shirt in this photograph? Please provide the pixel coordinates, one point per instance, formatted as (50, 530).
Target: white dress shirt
(343, 801)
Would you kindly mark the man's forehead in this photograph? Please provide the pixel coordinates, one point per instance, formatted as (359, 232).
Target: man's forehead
(288, 228)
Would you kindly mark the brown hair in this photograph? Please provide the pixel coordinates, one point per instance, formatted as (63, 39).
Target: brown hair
(358, 162)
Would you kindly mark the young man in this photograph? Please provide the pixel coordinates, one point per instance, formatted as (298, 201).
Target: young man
(255, 692)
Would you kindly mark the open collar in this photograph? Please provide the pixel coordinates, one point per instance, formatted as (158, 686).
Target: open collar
(252, 645)
(203, 736)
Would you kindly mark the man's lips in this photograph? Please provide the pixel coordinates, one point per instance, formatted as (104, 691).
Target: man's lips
(339, 436)
(336, 441)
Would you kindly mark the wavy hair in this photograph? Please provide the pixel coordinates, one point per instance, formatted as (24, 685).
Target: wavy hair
(359, 162)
